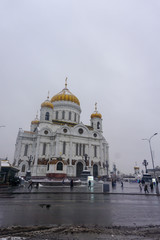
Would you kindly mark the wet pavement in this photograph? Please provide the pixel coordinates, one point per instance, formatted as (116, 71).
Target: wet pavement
(81, 206)
(128, 188)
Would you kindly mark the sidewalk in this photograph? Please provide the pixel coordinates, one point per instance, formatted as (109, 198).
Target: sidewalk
(128, 189)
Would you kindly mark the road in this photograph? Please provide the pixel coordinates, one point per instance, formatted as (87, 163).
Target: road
(63, 208)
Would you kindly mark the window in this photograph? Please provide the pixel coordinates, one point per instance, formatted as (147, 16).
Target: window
(59, 166)
(95, 151)
(46, 132)
(63, 114)
(69, 115)
(83, 149)
(75, 117)
(47, 166)
(80, 130)
(56, 114)
(64, 147)
(23, 168)
(47, 116)
(65, 130)
(80, 149)
(98, 125)
(26, 150)
(76, 149)
(44, 149)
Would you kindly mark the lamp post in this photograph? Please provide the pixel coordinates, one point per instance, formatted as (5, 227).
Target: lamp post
(145, 163)
(28, 173)
(0, 159)
(86, 158)
(149, 141)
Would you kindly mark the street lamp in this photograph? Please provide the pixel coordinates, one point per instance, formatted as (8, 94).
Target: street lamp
(145, 163)
(28, 173)
(149, 141)
(86, 158)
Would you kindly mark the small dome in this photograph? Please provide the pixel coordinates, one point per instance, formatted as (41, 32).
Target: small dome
(47, 103)
(96, 114)
(35, 121)
(65, 95)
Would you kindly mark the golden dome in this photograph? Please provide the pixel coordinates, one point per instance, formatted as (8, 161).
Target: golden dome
(47, 103)
(65, 95)
(96, 114)
(35, 121)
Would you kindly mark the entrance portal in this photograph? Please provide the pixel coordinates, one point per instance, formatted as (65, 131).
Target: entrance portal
(79, 169)
(95, 170)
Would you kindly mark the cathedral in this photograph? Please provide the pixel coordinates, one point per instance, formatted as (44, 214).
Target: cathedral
(59, 145)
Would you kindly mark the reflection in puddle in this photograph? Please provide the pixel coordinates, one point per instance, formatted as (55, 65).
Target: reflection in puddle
(12, 238)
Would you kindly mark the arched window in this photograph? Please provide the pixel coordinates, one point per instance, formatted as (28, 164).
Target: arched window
(23, 168)
(75, 117)
(95, 151)
(47, 116)
(59, 166)
(47, 166)
(95, 170)
(56, 114)
(69, 115)
(98, 125)
(44, 149)
(26, 150)
(63, 114)
(64, 147)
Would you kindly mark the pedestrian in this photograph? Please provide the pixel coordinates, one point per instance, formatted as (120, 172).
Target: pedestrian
(30, 185)
(121, 184)
(146, 188)
(89, 183)
(63, 181)
(151, 186)
(140, 186)
(71, 183)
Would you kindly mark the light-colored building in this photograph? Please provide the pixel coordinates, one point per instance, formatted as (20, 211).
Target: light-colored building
(59, 144)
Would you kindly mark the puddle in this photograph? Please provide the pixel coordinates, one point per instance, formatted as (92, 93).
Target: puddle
(12, 238)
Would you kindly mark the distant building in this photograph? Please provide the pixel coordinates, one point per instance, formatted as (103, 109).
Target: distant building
(7, 171)
(156, 171)
(59, 144)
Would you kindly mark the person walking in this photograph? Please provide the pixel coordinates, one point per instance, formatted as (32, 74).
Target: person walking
(89, 183)
(146, 188)
(71, 183)
(30, 185)
(151, 186)
(140, 186)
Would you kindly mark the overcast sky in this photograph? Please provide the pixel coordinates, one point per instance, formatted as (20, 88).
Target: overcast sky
(110, 52)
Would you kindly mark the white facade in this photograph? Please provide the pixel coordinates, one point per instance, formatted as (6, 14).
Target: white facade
(58, 144)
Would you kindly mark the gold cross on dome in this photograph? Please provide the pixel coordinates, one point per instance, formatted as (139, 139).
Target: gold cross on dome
(48, 95)
(66, 82)
(96, 107)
